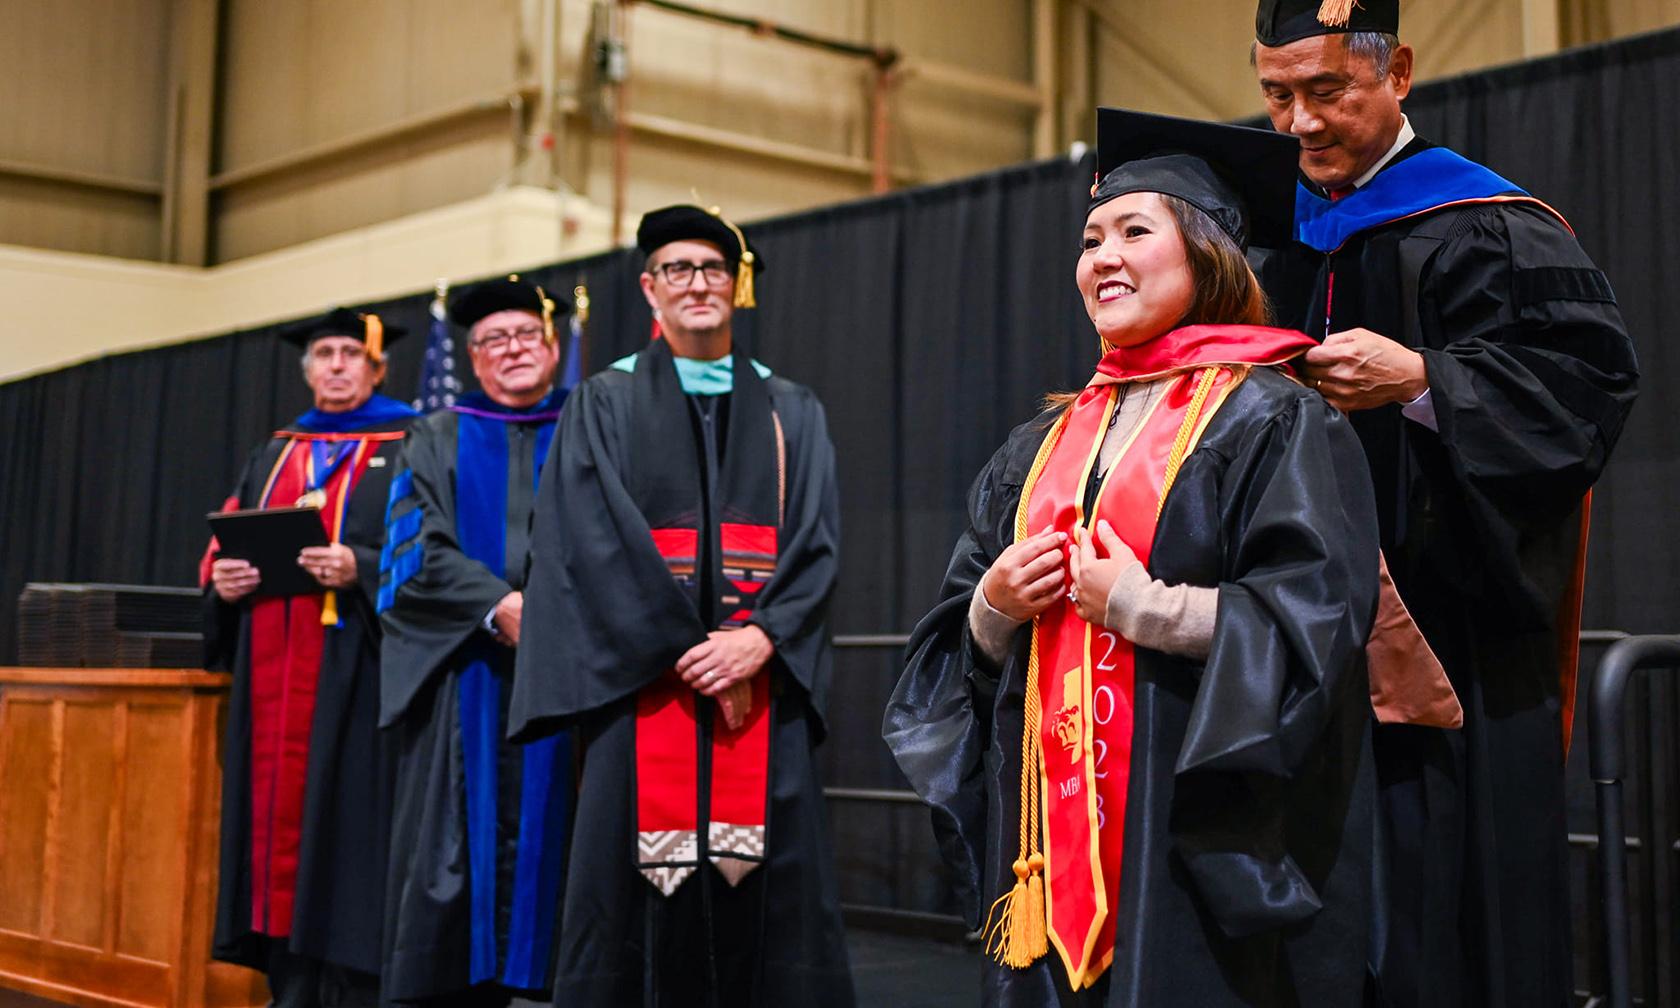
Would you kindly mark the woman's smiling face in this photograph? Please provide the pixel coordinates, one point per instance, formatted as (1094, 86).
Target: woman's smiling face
(1133, 274)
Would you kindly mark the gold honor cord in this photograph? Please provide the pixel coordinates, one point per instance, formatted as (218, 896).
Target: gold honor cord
(1015, 928)
(1018, 937)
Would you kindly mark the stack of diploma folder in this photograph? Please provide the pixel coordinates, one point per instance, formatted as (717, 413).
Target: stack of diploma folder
(109, 626)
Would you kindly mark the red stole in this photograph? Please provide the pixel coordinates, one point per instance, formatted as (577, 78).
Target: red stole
(668, 806)
(1077, 740)
(287, 638)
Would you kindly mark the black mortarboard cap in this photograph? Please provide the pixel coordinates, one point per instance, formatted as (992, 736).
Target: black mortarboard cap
(1242, 178)
(1280, 22)
(510, 294)
(366, 328)
(686, 222)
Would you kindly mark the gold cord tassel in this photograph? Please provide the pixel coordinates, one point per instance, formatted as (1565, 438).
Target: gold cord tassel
(1336, 13)
(329, 609)
(1020, 936)
(1038, 939)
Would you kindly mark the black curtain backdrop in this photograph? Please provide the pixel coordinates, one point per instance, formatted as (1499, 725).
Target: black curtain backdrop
(930, 322)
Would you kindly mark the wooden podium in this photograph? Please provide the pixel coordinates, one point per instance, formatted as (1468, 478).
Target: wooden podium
(110, 785)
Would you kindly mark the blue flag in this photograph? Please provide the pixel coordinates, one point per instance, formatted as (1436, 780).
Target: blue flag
(438, 384)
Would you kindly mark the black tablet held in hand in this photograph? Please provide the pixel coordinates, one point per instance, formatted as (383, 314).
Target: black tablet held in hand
(270, 540)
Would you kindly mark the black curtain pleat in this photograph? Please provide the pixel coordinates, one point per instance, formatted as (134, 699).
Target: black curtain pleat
(930, 322)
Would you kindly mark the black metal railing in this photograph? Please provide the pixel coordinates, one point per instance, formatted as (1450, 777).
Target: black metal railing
(1648, 969)
(1653, 918)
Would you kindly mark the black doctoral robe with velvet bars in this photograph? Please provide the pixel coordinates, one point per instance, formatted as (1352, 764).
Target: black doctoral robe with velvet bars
(479, 825)
(1245, 876)
(347, 782)
(604, 618)
(1531, 375)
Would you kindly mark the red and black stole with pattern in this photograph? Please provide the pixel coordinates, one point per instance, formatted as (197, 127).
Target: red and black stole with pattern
(1078, 737)
(710, 482)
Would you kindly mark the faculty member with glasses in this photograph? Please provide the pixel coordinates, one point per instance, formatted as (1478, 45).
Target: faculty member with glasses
(479, 829)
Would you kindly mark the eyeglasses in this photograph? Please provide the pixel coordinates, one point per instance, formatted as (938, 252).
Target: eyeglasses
(499, 341)
(351, 353)
(680, 272)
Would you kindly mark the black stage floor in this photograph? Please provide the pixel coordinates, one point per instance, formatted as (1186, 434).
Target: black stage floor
(889, 970)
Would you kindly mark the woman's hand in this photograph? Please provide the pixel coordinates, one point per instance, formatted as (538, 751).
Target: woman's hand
(1094, 575)
(1027, 576)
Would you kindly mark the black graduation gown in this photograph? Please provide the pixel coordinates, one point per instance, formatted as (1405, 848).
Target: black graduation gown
(347, 786)
(603, 618)
(1246, 870)
(1531, 374)
(433, 624)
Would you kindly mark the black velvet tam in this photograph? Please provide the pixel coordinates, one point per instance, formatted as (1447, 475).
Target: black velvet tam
(685, 222)
(338, 322)
(1280, 22)
(511, 294)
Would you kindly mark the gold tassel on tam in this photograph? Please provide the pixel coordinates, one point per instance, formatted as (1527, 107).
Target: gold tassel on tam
(373, 333)
(744, 295)
(1336, 13)
(744, 282)
(547, 315)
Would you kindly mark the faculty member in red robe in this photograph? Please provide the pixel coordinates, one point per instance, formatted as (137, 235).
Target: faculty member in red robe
(306, 789)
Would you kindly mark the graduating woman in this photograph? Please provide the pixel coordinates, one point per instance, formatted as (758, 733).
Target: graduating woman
(1140, 711)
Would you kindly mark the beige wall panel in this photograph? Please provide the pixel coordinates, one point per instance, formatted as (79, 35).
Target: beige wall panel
(85, 82)
(1586, 21)
(1187, 60)
(939, 133)
(1176, 59)
(848, 19)
(746, 187)
(986, 36)
(1452, 36)
(51, 216)
(721, 77)
(307, 72)
(449, 165)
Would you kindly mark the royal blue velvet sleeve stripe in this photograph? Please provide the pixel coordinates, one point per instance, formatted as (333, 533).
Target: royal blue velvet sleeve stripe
(402, 486)
(480, 707)
(403, 528)
(391, 576)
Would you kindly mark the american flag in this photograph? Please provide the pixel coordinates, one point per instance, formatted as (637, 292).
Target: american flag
(573, 372)
(438, 384)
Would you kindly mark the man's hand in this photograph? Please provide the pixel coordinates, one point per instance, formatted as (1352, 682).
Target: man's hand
(1093, 575)
(1027, 576)
(724, 658)
(333, 566)
(509, 611)
(1357, 369)
(233, 579)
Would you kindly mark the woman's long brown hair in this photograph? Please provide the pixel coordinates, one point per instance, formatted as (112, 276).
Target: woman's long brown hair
(1227, 291)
